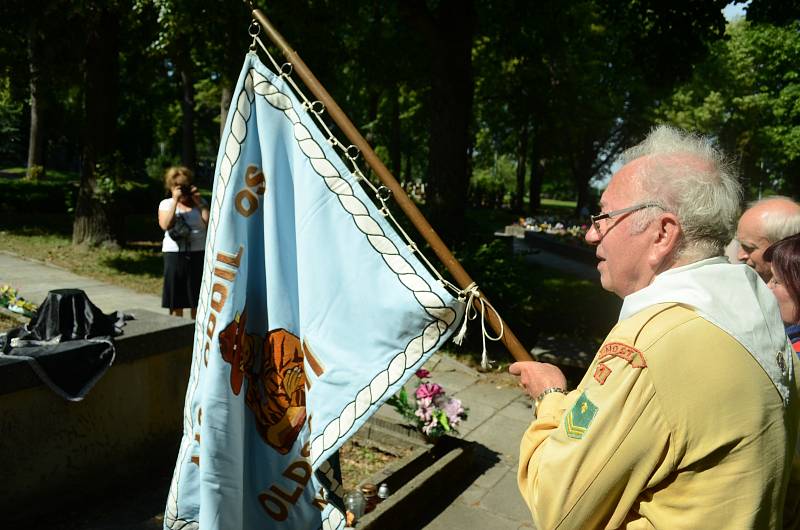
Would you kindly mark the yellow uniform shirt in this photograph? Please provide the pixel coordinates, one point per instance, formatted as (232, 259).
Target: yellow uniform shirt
(675, 425)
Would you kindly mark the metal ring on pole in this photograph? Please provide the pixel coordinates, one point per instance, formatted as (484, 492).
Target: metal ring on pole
(354, 148)
(254, 30)
(380, 193)
(315, 109)
(286, 69)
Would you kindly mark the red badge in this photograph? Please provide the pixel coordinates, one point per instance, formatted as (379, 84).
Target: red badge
(601, 373)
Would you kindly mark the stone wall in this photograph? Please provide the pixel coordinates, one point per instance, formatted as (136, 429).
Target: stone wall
(56, 453)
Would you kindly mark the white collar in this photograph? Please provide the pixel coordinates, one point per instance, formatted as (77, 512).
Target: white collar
(733, 298)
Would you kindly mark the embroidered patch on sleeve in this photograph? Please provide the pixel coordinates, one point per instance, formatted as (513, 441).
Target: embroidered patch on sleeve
(601, 373)
(578, 419)
(631, 355)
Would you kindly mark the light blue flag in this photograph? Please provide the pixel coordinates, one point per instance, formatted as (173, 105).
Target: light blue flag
(312, 313)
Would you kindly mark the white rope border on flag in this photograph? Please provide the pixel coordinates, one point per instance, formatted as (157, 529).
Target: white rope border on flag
(430, 301)
(233, 145)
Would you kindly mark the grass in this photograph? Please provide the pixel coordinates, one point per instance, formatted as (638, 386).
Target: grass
(7, 323)
(52, 174)
(556, 204)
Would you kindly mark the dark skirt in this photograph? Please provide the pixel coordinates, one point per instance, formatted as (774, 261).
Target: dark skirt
(183, 272)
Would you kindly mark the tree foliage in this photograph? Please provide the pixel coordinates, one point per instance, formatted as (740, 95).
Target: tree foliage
(746, 94)
(505, 98)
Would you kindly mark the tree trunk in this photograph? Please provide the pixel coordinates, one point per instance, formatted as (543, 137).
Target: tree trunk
(183, 63)
(448, 31)
(224, 106)
(36, 141)
(582, 164)
(101, 79)
(538, 165)
(522, 153)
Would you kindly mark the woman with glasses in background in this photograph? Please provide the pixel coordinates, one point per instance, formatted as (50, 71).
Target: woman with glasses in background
(784, 259)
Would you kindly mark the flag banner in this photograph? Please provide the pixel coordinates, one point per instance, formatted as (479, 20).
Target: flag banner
(313, 311)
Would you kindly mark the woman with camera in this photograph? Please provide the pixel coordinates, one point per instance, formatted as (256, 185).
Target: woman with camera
(184, 218)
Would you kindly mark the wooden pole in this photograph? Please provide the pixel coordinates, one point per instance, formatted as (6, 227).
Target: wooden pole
(462, 279)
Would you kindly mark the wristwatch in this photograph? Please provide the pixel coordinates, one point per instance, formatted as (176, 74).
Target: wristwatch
(541, 396)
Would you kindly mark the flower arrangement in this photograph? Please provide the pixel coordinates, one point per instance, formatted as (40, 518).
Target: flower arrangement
(435, 413)
(569, 230)
(10, 299)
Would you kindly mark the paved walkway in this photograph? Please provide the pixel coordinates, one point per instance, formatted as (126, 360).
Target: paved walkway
(498, 415)
(553, 260)
(34, 279)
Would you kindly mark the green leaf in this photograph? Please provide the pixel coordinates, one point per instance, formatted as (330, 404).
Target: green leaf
(442, 417)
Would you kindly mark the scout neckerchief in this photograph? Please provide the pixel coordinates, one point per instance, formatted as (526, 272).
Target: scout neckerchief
(733, 298)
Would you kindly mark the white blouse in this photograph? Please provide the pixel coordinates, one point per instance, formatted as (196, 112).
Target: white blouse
(197, 239)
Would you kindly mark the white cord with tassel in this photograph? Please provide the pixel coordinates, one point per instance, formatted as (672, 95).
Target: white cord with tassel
(470, 313)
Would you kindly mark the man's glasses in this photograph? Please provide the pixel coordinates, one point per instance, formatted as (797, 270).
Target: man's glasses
(629, 209)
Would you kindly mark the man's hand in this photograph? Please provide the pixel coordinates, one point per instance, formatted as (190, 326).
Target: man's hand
(535, 377)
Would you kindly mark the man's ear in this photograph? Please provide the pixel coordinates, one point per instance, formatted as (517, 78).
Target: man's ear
(666, 238)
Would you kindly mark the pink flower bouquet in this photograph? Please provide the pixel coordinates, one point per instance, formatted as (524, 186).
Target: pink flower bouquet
(434, 413)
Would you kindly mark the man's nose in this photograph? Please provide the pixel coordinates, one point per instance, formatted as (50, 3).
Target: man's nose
(742, 255)
(592, 236)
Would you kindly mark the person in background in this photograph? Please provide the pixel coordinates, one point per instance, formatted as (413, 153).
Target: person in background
(783, 258)
(183, 259)
(688, 415)
(762, 224)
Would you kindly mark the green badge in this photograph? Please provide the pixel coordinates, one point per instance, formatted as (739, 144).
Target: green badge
(577, 421)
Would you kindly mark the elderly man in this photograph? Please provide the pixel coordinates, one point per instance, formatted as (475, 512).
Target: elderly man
(688, 415)
(765, 222)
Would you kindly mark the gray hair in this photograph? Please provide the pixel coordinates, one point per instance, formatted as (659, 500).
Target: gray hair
(687, 175)
(776, 226)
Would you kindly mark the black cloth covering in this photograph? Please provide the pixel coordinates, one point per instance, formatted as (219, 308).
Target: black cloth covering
(68, 342)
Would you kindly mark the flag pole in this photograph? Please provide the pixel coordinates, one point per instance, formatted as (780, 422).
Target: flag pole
(462, 279)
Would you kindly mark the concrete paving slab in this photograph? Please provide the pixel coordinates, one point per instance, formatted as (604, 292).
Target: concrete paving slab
(505, 498)
(493, 475)
(520, 409)
(450, 364)
(456, 516)
(452, 381)
(495, 396)
(476, 416)
(500, 434)
(472, 496)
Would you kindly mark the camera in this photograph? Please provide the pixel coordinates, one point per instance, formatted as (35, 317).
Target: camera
(186, 190)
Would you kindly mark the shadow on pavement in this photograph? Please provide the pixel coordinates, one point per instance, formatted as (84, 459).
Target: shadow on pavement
(483, 460)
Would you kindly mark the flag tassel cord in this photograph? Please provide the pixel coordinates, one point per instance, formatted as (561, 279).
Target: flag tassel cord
(467, 289)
